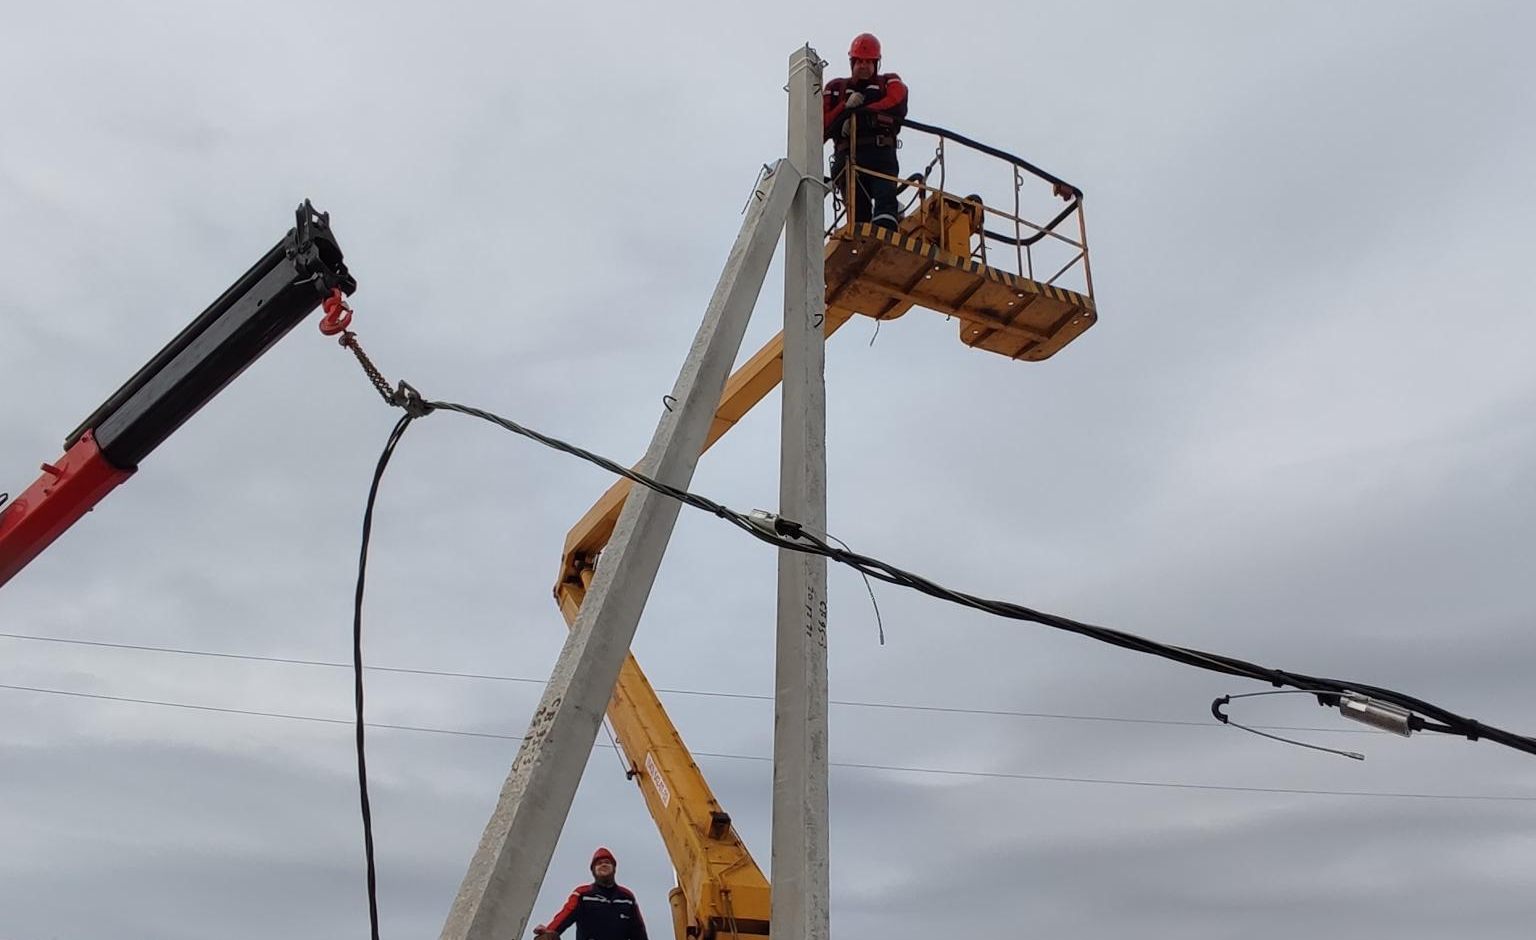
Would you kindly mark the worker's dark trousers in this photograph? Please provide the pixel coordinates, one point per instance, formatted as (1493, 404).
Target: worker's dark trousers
(875, 199)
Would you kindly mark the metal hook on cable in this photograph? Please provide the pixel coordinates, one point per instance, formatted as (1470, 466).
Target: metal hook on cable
(1221, 716)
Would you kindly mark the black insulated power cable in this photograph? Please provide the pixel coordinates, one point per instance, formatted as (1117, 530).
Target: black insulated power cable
(785, 533)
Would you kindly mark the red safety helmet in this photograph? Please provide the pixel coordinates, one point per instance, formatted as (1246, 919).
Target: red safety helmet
(865, 46)
(603, 855)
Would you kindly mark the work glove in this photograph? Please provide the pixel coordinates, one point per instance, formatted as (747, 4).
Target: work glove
(854, 100)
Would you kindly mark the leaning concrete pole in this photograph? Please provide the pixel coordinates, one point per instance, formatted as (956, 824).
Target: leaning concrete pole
(800, 909)
(499, 889)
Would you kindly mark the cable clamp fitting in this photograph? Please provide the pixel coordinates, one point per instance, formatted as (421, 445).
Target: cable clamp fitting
(1377, 714)
(773, 525)
(405, 396)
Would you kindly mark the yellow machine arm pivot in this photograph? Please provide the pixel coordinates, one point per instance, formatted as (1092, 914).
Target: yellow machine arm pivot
(927, 262)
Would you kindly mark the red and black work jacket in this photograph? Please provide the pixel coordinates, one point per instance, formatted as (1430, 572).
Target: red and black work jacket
(601, 912)
(879, 117)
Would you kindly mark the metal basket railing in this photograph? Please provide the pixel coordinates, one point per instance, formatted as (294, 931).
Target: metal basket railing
(1052, 251)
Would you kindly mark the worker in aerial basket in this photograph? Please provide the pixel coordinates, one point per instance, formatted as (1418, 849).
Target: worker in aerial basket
(602, 910)
(866, 109)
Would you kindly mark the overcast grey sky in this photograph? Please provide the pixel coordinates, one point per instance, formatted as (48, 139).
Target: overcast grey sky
(1301, 433)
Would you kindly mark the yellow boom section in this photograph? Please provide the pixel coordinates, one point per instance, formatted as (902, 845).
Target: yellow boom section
(927, 262)
(720, 889)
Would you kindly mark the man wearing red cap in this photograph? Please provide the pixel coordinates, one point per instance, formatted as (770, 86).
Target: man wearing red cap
(602, 910)
(874, 105)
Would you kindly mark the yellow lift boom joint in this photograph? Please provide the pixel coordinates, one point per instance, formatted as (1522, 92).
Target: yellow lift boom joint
(939, 259)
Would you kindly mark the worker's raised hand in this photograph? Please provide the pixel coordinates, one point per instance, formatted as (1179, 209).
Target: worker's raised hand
(542, 934)
(854, 100)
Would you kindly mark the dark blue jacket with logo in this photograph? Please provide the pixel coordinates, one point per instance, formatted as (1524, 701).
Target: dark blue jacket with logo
(601, 912)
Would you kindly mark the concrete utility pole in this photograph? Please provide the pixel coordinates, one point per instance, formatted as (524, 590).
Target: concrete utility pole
(800, 907)
(497, 895)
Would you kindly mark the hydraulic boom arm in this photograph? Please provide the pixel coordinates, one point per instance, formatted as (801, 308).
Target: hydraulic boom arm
(289, 282)
(928, 262)
(721, 890)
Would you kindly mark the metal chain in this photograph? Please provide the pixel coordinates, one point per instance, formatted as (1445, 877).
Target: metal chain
(349, 340)
(338, 316)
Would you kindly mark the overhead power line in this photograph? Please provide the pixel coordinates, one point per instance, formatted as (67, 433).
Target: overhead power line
(790, 534)
(702, 693)
(850, 765)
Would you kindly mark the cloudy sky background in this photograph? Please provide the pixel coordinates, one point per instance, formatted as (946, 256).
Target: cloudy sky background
(1301, 434)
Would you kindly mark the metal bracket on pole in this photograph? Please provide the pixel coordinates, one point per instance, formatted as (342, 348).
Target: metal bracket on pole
(800, 901)
(497, 895)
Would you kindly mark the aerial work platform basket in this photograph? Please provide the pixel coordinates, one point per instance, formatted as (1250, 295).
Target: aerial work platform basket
(954, 255)
(1016, 288)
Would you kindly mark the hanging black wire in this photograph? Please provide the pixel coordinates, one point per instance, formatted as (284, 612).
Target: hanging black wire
(357, 669)
(787, 534)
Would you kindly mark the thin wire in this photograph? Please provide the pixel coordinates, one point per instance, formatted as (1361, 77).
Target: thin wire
(894, 768)
(1353, 755)
(618, 752)
(1227, 720)
(703, 693)
(268, 659)
(790, 535)
(1160, 784)
(357, 668)
(258, 714)
(1278, 692)
(879, 622)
